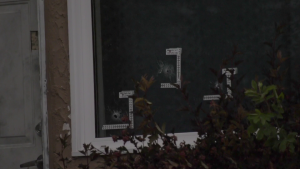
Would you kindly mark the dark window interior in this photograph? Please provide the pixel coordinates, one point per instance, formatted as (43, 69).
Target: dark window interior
(131, 38)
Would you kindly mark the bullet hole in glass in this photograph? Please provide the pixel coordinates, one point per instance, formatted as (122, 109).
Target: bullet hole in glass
(166, 69)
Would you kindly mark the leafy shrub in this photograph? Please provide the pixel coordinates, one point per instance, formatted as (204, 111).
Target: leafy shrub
(229, 136)
(256, 128)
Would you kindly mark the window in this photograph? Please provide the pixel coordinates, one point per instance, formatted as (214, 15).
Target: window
(114, 41)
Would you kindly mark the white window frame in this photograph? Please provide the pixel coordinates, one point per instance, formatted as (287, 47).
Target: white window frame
(82, 82)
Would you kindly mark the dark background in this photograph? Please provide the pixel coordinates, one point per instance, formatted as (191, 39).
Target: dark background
(132, 36)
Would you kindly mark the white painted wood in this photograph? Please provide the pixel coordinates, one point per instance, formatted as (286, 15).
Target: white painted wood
(81, 71)
(20, 108)
(82, 82)
(43, 82)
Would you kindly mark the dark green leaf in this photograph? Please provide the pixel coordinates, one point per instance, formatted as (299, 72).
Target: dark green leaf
(282, 146)
(260, 135)
(292, 137)
(291, 148)
(158, 128)
(254, 85)
(251, 129)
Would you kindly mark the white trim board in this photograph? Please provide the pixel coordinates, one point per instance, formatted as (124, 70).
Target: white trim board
(42, 56)
(81, 73)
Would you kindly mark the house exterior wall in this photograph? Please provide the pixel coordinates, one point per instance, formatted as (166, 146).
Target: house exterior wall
(57, 68)
(58, 82)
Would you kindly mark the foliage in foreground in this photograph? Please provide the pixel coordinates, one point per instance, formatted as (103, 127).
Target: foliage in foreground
(229, 137)
(255, 128)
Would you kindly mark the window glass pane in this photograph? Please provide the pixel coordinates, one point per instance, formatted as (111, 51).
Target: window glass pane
(131, 39)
